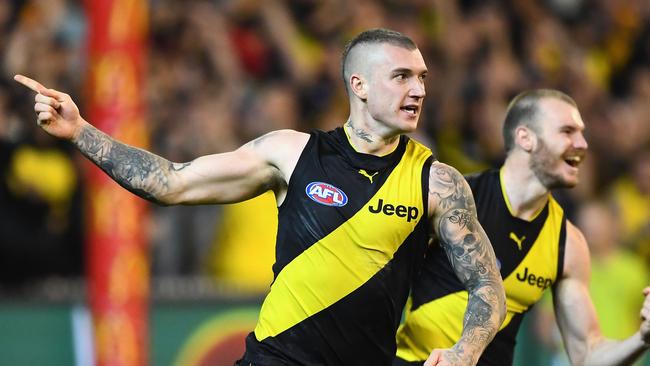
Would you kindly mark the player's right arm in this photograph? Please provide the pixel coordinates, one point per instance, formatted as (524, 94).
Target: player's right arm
(260, 165)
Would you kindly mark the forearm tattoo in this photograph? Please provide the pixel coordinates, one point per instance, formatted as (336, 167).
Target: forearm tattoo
(470, 254)
(143, 173)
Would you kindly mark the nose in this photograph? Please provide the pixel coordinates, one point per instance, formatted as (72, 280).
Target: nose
(580, 142)
(417, 89)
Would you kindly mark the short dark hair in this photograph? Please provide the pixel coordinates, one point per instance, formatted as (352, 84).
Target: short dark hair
(524, 110)
(374, 36)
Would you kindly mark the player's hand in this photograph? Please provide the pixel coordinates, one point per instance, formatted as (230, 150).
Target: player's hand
(645, 317)
(57, 113)
(442, 357)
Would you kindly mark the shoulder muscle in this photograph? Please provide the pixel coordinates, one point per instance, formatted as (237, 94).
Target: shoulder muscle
(280, 148)
(448, 189)
(576, 258)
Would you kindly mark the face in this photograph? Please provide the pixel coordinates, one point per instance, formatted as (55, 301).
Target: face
(395, 86)
(561, 146)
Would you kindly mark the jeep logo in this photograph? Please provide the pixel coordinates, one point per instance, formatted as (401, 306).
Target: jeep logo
(411, 213)
(533, 280)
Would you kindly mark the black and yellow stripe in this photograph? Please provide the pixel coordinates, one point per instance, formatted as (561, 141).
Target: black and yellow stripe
(342, 273)
(530, 255)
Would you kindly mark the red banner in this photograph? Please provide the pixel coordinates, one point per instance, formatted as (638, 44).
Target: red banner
(118, 261)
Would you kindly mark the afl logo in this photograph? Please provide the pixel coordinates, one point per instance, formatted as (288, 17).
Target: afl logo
(326, 194)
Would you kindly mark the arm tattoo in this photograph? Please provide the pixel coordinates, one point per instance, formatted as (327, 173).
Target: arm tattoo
(449, 186)
(359, 132)
(141, 172)
(258, 141)
(471, 256)
(391, 140)
(461, 239)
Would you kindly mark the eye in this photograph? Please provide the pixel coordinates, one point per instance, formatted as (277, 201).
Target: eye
(400, 77)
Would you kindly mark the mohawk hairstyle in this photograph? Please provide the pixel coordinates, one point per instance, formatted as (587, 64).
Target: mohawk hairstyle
(373, 36)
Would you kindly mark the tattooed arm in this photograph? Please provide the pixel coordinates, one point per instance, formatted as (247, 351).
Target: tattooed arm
(254, 168)
(453, 216)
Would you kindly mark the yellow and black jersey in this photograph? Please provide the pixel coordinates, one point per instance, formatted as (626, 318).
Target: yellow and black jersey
(351, 233)
(530, 256)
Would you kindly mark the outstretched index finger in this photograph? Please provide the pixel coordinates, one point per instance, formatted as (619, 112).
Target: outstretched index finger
(30, 83)
(39, 88)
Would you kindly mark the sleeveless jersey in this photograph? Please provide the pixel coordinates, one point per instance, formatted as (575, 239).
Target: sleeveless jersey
(351, 233)
(530, 256)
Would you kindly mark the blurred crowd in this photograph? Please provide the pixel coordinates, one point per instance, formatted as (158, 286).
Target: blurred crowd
(223, 72)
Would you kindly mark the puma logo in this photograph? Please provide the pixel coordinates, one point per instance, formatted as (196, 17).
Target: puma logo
(514, 237)
(365, 174)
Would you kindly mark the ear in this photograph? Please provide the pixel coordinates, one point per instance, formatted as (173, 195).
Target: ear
(525, 138)
(358, 86)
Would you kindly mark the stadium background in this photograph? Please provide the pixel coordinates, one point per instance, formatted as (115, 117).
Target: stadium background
(180, 285)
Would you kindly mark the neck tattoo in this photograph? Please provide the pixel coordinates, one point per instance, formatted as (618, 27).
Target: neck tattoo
(365, 136)
(390, 140)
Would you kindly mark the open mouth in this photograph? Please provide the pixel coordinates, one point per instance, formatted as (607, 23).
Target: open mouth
(573, 161)
(412, 109)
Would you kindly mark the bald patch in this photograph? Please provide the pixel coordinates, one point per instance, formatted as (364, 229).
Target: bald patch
(365, 59)
(361, 60)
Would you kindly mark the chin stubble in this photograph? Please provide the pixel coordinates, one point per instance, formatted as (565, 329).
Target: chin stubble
(541, 164)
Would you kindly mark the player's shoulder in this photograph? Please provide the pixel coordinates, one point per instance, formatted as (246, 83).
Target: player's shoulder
(576, 258)
(575, 237)
(278, 146)
(445, 181)
(288, 135)
(279, 140)
(446, 172)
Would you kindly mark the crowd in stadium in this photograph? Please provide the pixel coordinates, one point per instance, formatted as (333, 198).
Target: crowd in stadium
(222, 72)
